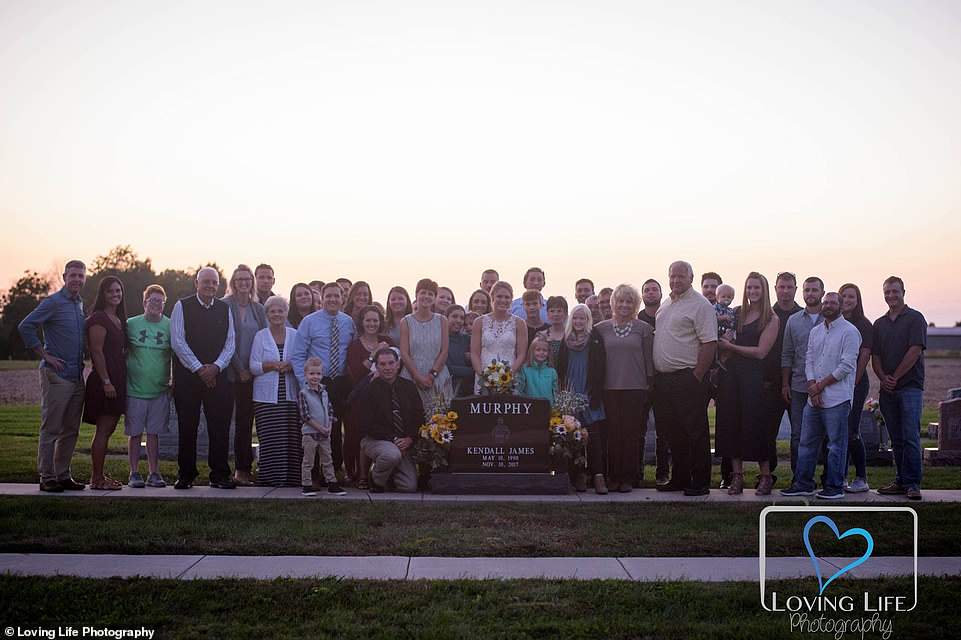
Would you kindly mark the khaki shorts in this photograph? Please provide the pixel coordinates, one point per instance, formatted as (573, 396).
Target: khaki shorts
(147, 416)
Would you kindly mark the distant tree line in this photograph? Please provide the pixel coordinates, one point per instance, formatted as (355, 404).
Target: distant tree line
(121, 261)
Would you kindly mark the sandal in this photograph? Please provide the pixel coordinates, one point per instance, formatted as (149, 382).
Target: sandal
(363, 485)
(105, 484)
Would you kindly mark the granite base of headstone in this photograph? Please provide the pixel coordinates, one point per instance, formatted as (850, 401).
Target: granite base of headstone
(949, 435)
(502, 446)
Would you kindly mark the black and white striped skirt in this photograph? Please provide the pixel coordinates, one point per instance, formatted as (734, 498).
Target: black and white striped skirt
(280, 452)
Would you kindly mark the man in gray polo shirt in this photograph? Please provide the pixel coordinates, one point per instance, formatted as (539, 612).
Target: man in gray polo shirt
(793, 377)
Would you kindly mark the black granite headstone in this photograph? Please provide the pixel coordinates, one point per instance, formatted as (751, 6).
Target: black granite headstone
(501, 446)
(501, 434)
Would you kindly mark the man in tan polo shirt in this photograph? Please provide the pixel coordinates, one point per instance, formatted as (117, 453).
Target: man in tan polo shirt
(684, 346)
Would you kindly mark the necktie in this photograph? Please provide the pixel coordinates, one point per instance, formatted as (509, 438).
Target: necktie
(395, 411)
(334, 352)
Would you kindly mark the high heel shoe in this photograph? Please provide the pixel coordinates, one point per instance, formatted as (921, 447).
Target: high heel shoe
(764, 485)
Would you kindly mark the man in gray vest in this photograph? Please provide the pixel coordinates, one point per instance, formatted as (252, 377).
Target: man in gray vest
(202, 336)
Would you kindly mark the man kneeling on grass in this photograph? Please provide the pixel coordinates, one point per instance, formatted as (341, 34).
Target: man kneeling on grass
(315, 433)
(391, 413)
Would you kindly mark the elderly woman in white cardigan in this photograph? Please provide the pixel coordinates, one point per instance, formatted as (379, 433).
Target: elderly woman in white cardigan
(275, 399)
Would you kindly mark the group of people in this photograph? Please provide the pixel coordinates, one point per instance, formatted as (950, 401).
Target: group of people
(338, 384)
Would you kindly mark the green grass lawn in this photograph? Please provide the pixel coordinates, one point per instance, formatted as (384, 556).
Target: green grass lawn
(489, 609)
(313, 527)
(19, 427)
(18, 365)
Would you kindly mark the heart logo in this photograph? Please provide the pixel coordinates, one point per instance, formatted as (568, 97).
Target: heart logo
(857, 531)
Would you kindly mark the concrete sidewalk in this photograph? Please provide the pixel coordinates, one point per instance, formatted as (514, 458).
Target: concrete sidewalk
(637, 495)
(416, 568)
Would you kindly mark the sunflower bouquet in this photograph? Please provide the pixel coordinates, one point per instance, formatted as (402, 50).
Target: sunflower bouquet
(497, 378)
(436, 435)
(568, 437)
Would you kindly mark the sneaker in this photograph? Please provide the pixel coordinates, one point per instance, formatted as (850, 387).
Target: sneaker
(308, 491)
(825, 494)
(913, 494)
(183, 483)
(860, 485)
(697, 491)
(156, 480)
(334, 489)
(794, 491)
(893, 489)
(136, 481)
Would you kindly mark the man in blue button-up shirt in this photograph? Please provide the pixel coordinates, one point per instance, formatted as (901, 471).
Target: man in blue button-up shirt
(61, 319)
(830, 362)
(314, 339)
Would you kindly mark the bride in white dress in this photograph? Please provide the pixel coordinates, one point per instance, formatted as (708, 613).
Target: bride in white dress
(498, 335)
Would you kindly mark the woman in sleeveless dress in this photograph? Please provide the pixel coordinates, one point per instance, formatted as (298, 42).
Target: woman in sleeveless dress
(741, 431)
(105, 398)
(498, 335)
(423, 347)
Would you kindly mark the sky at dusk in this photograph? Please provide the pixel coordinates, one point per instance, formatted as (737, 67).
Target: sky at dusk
(390, 141)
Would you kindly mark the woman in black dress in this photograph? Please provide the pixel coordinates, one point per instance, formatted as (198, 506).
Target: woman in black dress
(105, 398)
(741, 432)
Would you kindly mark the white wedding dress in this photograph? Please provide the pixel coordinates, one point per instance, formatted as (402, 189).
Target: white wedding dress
(498, 342)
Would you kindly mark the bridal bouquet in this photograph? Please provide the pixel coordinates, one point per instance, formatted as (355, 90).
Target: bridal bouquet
(436, 434)
(568, 437)
(498, 378)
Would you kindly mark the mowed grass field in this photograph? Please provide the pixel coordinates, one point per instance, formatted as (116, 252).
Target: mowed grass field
(489, 609)
(492, 529)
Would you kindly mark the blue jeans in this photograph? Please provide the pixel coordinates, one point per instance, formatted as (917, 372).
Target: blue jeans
(799, 400)
(902, 416)
(818, 422)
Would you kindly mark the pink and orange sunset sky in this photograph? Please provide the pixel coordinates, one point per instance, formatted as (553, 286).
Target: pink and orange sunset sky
(389, 141)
